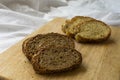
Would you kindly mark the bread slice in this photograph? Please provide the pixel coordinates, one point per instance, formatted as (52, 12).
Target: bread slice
(51, 59)
(93, 31)
(71, 26)
(41, 40)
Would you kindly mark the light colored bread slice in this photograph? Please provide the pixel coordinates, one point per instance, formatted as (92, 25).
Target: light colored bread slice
(93, 31)
(71, 26)
(51, 59)
(31, 46)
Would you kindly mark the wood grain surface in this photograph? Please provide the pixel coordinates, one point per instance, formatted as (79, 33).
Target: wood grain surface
(100, 61)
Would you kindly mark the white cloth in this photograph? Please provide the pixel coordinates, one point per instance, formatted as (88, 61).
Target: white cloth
(19, 18)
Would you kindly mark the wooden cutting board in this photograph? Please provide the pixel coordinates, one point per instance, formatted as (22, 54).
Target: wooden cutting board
(100, 61)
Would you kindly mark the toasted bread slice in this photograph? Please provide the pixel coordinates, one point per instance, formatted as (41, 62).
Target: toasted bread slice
(34, 44)
(71, 26)
(51, 59)
(93, 31)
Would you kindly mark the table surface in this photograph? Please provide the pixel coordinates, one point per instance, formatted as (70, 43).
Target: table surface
(100, 61)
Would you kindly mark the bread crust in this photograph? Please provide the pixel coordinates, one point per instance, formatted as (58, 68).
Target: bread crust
(78, 17)
(24, 45)
(42, 70)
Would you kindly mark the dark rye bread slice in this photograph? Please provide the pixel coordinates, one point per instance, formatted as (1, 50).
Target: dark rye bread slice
(41, 40)
(53, 59)
(70, 26)
(93, 31)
